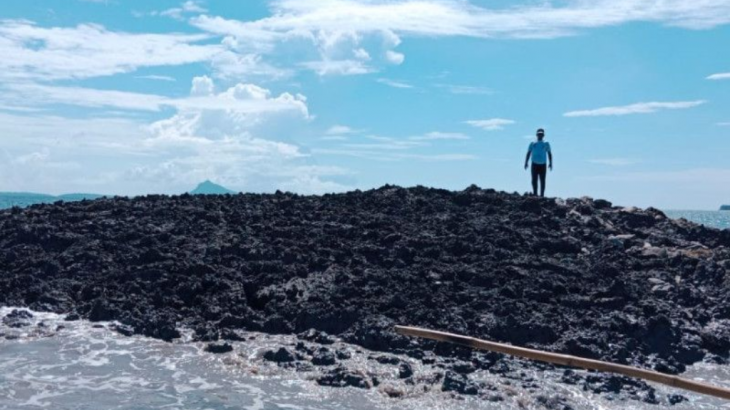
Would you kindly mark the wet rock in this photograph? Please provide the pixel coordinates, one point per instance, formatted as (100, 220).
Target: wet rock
(405, 370)
(675, 399)
(555, 402)
(324, 357)
(218, 348)
(72, 317)
(317, 336)
(383, 359)
(343, 377)
(283, 355)
(18, 318)
(123, 329)
(459, 383)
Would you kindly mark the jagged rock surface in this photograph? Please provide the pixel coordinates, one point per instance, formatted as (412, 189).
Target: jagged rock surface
(577, 276)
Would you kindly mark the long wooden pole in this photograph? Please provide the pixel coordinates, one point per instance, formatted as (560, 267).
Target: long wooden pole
(566, 360)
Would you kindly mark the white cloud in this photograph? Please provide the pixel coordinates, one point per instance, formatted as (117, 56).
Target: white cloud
(393, 83)
(466, 89)
(638, 108)
(491, 124)
(436, 135)
(614, 162)
(202, 86)
(90, 50)
(188, 7)
(724, 124)
(156, 77)
(361, 54)
(719, 76)
(340, 130)
(208, 137)
(461, 18)
(241, 98)
(339, 29)
(337, 67)
(394, 57)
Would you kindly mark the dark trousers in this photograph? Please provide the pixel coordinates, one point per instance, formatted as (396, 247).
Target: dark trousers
(539, 170)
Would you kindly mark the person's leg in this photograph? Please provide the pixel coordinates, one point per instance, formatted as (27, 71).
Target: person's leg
(534, 179)
(543, 174)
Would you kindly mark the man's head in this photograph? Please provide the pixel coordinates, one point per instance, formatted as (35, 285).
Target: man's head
(540, 134)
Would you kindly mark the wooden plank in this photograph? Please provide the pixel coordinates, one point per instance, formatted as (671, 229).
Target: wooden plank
(566, 360)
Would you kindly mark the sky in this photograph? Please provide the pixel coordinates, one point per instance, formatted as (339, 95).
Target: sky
(315, 96)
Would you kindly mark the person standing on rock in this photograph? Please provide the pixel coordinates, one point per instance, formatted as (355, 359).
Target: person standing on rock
(540, 152)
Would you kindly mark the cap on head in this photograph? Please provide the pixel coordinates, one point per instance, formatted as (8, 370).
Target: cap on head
(540, 131)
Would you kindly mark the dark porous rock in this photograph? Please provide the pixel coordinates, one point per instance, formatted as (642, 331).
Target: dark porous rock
(123, 329)
(218, 348)
(72, 317)
(283, 355)
(324, 357)
(343, 377)
(385, 359)
(555, 402)
(575, 275)
(459, 383)
(232, 335)
(463, 368)
(17, 318)
(343, 354)
(675, 398)
(405, 370)
(316, 336)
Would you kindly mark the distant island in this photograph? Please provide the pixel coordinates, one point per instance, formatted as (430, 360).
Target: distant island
(23, 199)
(209, 188)
(725, 207)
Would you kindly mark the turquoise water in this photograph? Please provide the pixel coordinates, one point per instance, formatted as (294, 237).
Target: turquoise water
(714, 219)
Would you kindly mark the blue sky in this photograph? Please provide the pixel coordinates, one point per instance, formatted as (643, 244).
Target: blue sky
(134, 97)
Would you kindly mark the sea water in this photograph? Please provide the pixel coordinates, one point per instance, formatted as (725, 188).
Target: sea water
(54, 364)
(713, 219)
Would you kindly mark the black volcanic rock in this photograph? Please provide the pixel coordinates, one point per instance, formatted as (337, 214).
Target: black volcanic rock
(573, 276)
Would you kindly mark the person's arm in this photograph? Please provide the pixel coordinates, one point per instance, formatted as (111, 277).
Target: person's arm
(550, 157)
(529, 152)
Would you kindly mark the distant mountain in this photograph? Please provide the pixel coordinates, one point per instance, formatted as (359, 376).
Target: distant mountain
(725, 207)
(210, 188)
(23, 199)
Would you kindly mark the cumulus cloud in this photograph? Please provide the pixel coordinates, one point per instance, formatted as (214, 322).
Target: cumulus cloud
(394, 57)
(638, 108)
(339, 27)
(235, 136)
(491, 124)
(719, 76)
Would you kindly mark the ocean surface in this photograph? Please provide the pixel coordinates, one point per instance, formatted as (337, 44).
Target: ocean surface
(714, 219)
(54, 364)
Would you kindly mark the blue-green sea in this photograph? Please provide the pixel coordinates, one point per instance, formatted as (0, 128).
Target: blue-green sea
(714, 219)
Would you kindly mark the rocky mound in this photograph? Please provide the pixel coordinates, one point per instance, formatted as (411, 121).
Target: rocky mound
(577, 276)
